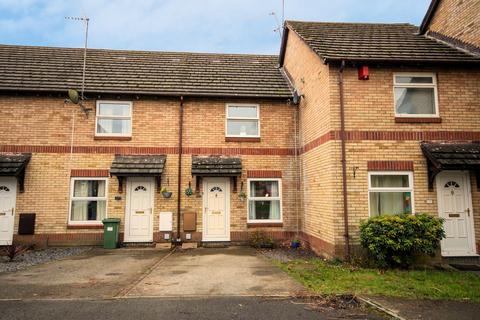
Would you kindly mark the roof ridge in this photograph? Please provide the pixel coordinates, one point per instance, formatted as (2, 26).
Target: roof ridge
(355, 23)
(143, 51)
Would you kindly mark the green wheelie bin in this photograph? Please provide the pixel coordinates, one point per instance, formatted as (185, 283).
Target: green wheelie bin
(110, 233)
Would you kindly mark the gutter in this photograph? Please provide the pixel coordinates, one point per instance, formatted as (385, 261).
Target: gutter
(344, 160)
(428, 16)
(283, 46)
(179, 182)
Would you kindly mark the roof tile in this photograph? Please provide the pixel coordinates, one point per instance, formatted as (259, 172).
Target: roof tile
(142, 72)
(375, 42)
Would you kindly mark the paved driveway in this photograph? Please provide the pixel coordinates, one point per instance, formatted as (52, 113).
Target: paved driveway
(97, 273)
(235, 271)
(123, 273)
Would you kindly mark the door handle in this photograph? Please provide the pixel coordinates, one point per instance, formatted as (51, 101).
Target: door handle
(468, 211)
(13, 211)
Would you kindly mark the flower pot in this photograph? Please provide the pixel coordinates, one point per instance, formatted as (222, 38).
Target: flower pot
(295, 244)
(167, 194)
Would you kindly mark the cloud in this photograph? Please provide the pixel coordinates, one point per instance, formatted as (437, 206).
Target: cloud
(183, 25)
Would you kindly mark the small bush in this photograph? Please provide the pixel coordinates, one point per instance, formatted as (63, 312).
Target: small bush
(13, 250)
(260, 239)
(394, 240)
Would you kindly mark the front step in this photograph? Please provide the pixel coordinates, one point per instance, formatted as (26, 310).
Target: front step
(216, 244)
(138, 245)
(463, 263)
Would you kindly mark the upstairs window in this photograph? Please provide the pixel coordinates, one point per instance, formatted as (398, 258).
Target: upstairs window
(243, 121)
(415, 95)
(390, 193)
(114, 119)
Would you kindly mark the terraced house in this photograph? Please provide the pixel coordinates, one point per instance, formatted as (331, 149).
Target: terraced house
(349, 121)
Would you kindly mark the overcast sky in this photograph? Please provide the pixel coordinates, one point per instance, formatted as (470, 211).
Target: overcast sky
(231, 26)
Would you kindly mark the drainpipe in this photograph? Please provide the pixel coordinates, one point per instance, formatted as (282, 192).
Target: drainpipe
(179, 190)
(344, 161)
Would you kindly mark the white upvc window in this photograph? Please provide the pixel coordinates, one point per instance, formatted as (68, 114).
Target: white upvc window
(264, 200)
(390, 192)
(113, 119)
(242, 120)
(415, 95)
(88, 200)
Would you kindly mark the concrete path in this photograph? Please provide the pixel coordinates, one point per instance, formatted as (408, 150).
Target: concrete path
(419, 309)
(97, 273)
(206, 272)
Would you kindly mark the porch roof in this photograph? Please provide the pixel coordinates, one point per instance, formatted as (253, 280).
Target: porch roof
(138, 165)
(451, 156)
(216, 166)
(13, 164)
(461, 156)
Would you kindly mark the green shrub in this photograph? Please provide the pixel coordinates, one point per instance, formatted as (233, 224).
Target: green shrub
(394, 240)
(260, 239)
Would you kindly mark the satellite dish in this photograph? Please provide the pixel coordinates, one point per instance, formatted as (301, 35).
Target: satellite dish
(73, 96)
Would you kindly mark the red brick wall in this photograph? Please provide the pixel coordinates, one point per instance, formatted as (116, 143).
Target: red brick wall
(458, 22)
(42, 125)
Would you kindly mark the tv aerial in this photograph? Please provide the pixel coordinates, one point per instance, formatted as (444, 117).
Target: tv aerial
(73, 95)
(279, 25)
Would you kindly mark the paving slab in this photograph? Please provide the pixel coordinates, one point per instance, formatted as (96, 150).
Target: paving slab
(98, 273)
(234, 271)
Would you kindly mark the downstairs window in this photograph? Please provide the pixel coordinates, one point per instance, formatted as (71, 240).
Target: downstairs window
(390, 193)
(88, 200)
(264, 200)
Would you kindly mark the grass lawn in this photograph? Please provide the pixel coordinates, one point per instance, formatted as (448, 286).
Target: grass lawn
(329, 278)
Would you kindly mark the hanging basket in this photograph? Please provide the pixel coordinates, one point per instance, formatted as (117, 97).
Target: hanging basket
(167, 194)
(242, 196)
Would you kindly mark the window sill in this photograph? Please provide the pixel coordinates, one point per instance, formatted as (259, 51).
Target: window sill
(85, 226)
(242, 139)
(112, 138)
(417, 120)
(264, 224)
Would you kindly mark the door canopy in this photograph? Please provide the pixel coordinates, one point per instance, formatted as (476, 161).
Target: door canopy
(138, 166)
(14, 164)
(216, 166)
(451, 156)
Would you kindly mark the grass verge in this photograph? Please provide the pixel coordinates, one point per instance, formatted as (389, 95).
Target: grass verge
(326, 277)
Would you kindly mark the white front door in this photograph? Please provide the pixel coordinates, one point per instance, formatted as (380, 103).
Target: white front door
(455, 206)
(8, 196)
(139, 210)
(216, 213)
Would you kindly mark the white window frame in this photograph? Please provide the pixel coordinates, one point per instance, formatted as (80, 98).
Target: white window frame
(72, 186)
(257, 106)
(98, 116)
(279, 181)
(393, 189)
(432, 85)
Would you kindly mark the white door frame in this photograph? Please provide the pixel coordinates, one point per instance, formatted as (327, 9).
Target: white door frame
(471, 251)
(12, 211)
(128, 211)
(227, 208)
